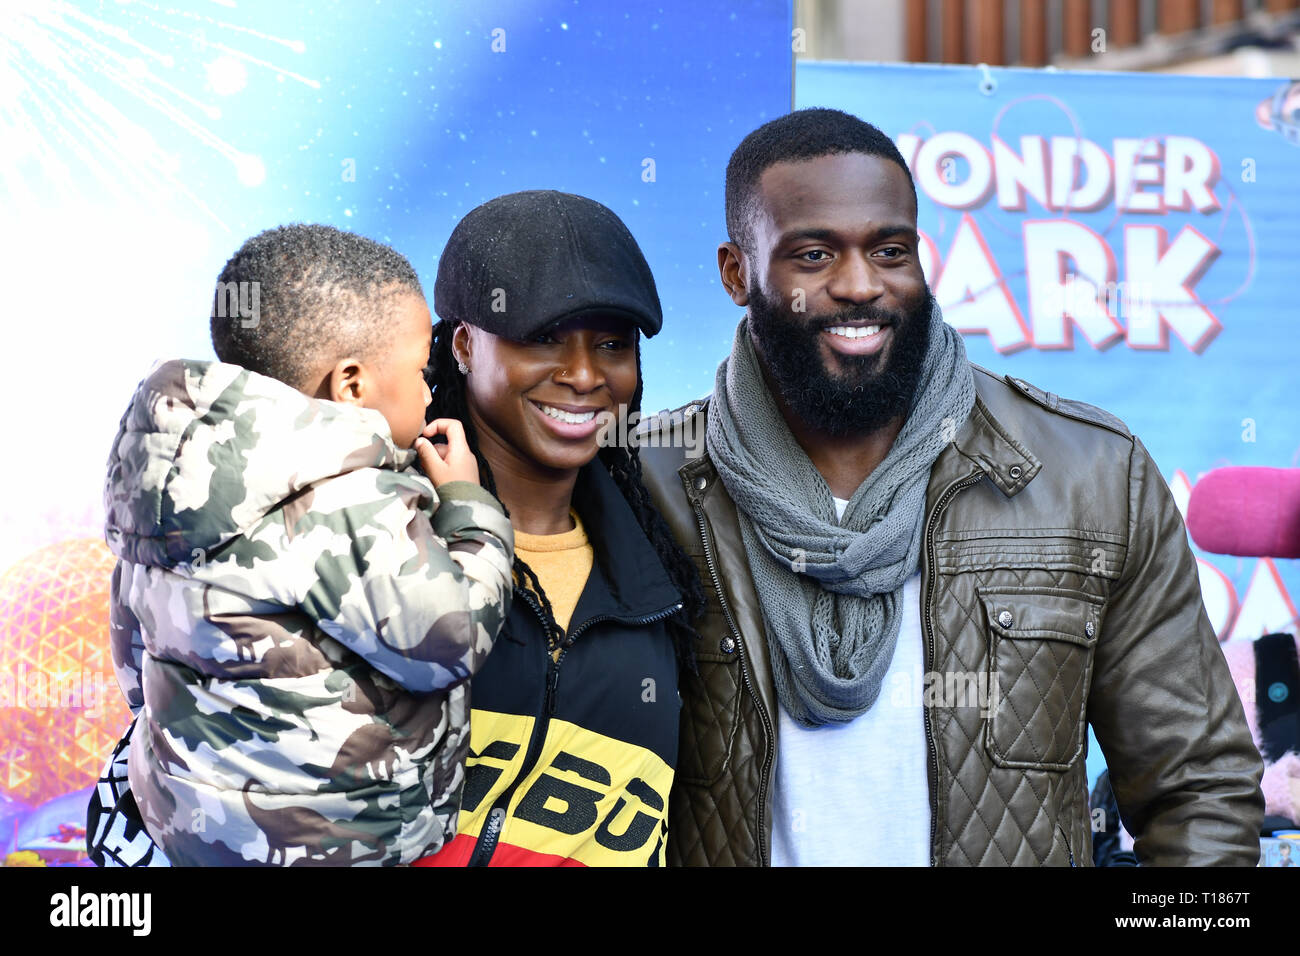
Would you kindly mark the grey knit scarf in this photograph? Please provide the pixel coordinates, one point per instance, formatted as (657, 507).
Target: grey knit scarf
(830, 593)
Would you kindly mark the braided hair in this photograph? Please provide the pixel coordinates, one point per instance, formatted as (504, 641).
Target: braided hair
(624, 466)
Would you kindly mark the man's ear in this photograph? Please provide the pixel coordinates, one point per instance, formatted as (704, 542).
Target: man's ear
(461, 342)
(734, 272)
(346, 382)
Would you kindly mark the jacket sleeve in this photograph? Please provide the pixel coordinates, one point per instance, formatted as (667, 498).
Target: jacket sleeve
(125, 640)
(1163, 705)
(419, 596)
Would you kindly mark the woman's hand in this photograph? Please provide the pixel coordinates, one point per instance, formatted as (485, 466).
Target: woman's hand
(450, 462)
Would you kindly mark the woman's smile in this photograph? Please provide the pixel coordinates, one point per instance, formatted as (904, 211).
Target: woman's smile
(569, 421)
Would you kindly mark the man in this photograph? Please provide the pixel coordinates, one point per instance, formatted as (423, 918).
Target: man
(924, 580)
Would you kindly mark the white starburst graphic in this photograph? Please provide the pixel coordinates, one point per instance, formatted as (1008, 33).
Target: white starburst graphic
(82, 84)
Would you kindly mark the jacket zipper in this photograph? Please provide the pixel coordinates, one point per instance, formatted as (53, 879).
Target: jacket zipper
(744, 675)
(496, 818)
(601, 618)
(970, 479)
(1068, 849)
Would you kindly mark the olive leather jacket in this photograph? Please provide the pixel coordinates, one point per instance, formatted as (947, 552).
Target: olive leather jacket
(1055, 560)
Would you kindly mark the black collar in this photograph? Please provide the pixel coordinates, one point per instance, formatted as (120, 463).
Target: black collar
(635, 582)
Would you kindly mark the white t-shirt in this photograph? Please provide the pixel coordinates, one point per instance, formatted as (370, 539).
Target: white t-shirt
(857, 794)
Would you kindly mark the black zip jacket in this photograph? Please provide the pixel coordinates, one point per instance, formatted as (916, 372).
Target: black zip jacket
(572, 761)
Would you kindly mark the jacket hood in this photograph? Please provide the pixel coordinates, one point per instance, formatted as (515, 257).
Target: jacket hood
(206, 450)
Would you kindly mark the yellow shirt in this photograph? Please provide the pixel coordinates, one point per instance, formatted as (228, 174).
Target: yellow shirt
(562, 563)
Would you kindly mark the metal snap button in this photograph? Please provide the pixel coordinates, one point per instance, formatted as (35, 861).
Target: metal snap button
(1090, 629)
(691, 410)
(701, 483)
(1015, 472)
(727, 645)
(1005, 619)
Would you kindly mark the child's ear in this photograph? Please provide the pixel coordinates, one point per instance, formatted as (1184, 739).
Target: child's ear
(345, 382)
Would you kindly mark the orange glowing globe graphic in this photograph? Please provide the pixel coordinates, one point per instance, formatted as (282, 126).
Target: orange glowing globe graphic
(61, 711)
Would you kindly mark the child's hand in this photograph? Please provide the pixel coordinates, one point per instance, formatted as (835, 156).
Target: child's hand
(450, 462)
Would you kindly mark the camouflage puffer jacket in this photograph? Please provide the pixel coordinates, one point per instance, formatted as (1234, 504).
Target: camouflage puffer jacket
(295, 613)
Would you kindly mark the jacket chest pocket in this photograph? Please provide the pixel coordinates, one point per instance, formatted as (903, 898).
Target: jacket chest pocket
(1041, 643)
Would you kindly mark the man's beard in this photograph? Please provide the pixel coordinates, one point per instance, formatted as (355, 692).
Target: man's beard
(862, 399)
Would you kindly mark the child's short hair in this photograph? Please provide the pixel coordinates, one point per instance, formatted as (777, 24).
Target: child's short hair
(297, 296)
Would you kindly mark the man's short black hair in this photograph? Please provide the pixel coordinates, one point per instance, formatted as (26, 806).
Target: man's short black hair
(320, 293)
(803, 134)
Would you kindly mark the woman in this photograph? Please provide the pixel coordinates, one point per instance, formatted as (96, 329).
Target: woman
(575, 713)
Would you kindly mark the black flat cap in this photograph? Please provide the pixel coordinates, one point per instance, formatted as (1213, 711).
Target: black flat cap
(522, 262)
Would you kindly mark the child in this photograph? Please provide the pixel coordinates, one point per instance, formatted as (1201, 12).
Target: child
(295, 611)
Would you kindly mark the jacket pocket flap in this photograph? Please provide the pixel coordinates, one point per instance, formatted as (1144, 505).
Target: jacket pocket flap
(1038, 613)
